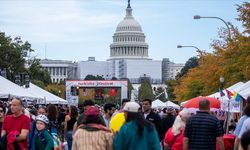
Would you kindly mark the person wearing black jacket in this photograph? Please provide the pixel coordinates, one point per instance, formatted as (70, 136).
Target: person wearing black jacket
(152, 116)
(167, 119)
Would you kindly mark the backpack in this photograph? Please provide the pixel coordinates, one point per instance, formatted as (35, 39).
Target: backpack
(56, 141)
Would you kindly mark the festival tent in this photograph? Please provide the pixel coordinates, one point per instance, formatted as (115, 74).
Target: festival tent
(231, 88)
(245, 93)
(10, 89)
(244, 90)
(48, 97)
(158, 104)
(171, 104)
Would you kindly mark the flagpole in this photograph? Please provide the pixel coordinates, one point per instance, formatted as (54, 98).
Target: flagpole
(228, 116)
(228, 111)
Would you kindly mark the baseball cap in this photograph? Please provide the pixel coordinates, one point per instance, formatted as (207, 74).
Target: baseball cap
(131, 107)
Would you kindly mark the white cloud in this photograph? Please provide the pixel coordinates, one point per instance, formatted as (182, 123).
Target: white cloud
(55, 21)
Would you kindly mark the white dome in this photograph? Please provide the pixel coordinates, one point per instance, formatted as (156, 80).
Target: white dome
(129, 24)
(129, 40)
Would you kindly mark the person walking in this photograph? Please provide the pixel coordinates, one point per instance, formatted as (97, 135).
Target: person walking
(152, 116)
(246, 114)
(167, 119)
(109, 109)
(43, 139)
(203, 130)
(174, 136)
(92, 134)
(2, 115)
(137, 133)
(16, 127)
(69, 122)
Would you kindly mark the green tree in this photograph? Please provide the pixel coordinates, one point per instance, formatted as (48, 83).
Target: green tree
(170, 89)
(145, 90)
(38, 74)
(191, 63)
(12, 53)
(92, 77)
(12, 57)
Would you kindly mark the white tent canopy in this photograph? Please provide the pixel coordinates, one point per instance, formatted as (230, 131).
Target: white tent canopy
(244, 90)
(48, 97)
(158, 104)
(10, 89)
(232, 88)
(171, 104)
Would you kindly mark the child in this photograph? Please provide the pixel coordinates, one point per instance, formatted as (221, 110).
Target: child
(43, 139)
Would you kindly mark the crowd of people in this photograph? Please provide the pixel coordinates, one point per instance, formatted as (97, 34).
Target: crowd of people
(88, 127)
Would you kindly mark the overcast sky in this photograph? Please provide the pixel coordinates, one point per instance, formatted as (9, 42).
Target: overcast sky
(77, 29)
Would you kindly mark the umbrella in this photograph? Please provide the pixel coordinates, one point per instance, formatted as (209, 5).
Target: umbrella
(194, 102)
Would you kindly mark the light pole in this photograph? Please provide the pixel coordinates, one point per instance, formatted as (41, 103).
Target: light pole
(59, 93)
(197, 49)
(222, 80)
(226, 125)
(229, 32)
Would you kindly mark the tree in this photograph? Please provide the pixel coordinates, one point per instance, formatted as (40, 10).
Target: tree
(191, 63)
(12, 53)
(92, 77)
(244, 16)
(38, 74)
(230, 59)
(113, 78)
(57, 89)
(170, 89)
(12, 58)
(145, 90)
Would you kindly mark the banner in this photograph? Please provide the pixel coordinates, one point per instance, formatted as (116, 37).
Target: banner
(234, 106)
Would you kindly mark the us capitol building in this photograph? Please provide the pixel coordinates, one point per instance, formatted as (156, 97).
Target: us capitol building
(128, 59)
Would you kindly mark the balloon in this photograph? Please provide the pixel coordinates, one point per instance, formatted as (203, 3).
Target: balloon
(117, 121)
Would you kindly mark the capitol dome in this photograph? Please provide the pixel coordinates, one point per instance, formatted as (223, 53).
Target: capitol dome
(128, 24)
(129, 39)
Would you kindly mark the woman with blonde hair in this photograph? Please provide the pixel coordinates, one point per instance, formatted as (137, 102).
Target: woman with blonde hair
(173, 139)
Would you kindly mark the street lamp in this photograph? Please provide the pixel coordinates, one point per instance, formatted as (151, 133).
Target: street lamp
(222, 80)
(229, 32)
(59, 93)
(181, 46)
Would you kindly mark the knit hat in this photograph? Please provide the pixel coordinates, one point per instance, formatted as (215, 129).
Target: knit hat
(91, 114)
(131, 107)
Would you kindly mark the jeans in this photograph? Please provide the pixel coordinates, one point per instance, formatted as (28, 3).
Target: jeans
(69, 139)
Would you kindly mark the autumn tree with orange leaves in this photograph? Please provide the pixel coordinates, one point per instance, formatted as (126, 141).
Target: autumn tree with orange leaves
(230, 59)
